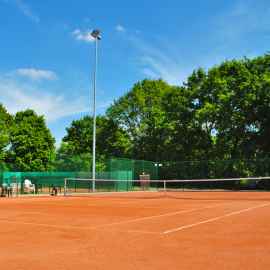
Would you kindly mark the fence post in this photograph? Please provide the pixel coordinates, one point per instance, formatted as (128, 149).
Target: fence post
(210, 175)
(239, 168)
(98, 167)
(17, 186)
(109, 168)
(50, 172)
(76, 166)
(133, 173)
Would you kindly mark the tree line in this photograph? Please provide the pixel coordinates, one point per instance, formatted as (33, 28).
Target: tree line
(220, 113)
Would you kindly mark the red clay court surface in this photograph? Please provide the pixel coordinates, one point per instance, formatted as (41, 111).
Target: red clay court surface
(200, 230)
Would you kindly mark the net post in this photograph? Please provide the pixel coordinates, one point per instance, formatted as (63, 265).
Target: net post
(164, 188)
(65, 187)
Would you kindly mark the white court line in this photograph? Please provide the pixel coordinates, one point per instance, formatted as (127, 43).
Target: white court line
(96, 227)
(71, 227)
(184, 227)
(125, 206)
(43, 224)
(45, 203)
(83, 205)
(175, 213)
(131, 231)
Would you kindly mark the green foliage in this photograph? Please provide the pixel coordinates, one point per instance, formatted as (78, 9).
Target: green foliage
(31, 141)
(110, 138)
(159, 120)
(6, 122)
(222, 113)
(139, 113)
(233, 105)
(184, 137)
(219, 114)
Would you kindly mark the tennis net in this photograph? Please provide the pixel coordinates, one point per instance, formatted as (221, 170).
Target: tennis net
(248, 188)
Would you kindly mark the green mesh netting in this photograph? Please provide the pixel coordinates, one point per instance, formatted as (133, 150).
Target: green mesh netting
(71, 166)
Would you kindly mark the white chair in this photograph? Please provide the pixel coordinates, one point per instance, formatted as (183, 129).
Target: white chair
(28, 185)
(15, 186)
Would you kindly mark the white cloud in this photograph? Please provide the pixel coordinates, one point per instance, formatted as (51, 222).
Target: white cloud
(241, 20)
(86, 36)
(119, 28)
(76, 32)
(233, 33)
(164, 62)
(35, 74)
(24, 8)
(16, 97)
(162, 59)
(53, 100)
(86, 19)
(137, 31)
(80, 37)
(169, 70)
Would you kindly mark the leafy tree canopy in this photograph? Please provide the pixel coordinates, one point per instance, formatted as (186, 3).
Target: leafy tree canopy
(6, 122)
(138, 112)
(110, 138)
(31, 141)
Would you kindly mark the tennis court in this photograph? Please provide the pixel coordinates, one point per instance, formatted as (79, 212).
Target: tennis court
(142, 230)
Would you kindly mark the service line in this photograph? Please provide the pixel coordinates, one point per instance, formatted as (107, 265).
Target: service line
(110, 224)
(164, 215)
(212, 219)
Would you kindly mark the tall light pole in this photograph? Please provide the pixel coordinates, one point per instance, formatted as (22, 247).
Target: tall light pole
(97, 37)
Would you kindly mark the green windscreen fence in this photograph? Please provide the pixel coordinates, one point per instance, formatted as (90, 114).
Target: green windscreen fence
(62, 166)
(8, 167)
(218, 169)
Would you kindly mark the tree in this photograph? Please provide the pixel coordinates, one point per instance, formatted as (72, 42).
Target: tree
(110, 138)
(6, 122)
(31, 141)
(258, 85)
(185, 138)
(233, 107)
(222, 113)
(139, 113)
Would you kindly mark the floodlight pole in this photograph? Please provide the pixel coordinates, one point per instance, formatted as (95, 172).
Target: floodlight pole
(95, 35)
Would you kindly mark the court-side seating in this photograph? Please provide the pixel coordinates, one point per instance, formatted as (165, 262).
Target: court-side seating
(6, 188)
(15, 185)
(29, 186)
(38, 186)
(55, 188)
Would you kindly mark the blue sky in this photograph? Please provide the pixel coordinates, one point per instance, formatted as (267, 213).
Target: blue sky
(47, 55)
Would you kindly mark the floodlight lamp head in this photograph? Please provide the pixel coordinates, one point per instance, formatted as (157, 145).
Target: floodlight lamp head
(95, 33)
(98, 37)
